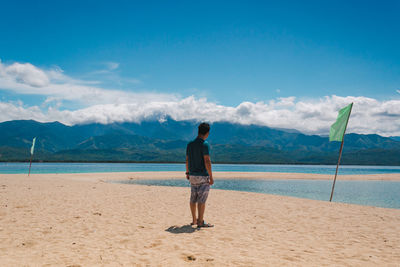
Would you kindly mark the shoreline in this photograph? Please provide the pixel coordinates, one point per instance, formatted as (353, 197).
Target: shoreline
(112, 176)
(182, 162)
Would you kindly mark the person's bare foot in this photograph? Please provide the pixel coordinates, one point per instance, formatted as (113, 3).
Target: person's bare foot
(194, 222)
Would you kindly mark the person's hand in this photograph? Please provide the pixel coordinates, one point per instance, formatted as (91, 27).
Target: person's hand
(211, 181)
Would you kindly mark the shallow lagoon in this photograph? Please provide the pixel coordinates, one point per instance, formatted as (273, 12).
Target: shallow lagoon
(384, 194)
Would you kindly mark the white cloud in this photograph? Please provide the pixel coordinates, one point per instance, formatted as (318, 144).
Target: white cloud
(16, 111)
(312, 116)
(107, 68)
(112, 65)
(30, 80)
(24, 74)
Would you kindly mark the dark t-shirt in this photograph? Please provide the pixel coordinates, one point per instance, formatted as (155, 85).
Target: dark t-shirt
(195, 152)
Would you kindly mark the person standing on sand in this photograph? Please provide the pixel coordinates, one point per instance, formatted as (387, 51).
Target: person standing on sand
(199, 173)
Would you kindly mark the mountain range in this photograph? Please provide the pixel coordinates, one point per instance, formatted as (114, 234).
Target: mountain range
(155, 141)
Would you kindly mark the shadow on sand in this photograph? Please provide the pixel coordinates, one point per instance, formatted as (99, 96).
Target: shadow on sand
(182, 229)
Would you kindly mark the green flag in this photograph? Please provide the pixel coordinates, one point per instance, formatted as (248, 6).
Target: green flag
(33, 145)
(339, 127)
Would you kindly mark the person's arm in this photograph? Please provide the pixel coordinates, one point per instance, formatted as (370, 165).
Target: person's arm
(187, 168)
(207, 162)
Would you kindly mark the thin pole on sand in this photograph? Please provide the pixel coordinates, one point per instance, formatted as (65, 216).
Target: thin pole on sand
(30, 164)
(340, 155)
(337, 167)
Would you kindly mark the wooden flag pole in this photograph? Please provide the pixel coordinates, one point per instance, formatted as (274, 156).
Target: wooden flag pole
(340, 155)
(30, 164)
(337, 167)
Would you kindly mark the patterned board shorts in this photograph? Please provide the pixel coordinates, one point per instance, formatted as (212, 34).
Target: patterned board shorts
(200, 187)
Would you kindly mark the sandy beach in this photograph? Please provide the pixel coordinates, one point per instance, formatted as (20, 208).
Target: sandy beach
(82, 220)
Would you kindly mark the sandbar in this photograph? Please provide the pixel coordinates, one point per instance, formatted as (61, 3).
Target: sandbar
(83, 220)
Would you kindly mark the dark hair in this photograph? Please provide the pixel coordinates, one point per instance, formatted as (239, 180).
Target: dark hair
(204, 128)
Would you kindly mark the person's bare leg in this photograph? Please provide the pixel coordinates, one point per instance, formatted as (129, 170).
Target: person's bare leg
(201, 207)
(193, 210)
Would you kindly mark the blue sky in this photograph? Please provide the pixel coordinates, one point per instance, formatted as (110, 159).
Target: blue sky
(228, 52)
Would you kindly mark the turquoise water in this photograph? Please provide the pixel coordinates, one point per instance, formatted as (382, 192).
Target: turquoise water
(384, 194)
(373, 193)
(144, 167)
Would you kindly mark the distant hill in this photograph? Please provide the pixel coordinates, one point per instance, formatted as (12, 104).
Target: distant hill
(396, 138)
(154, 141)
